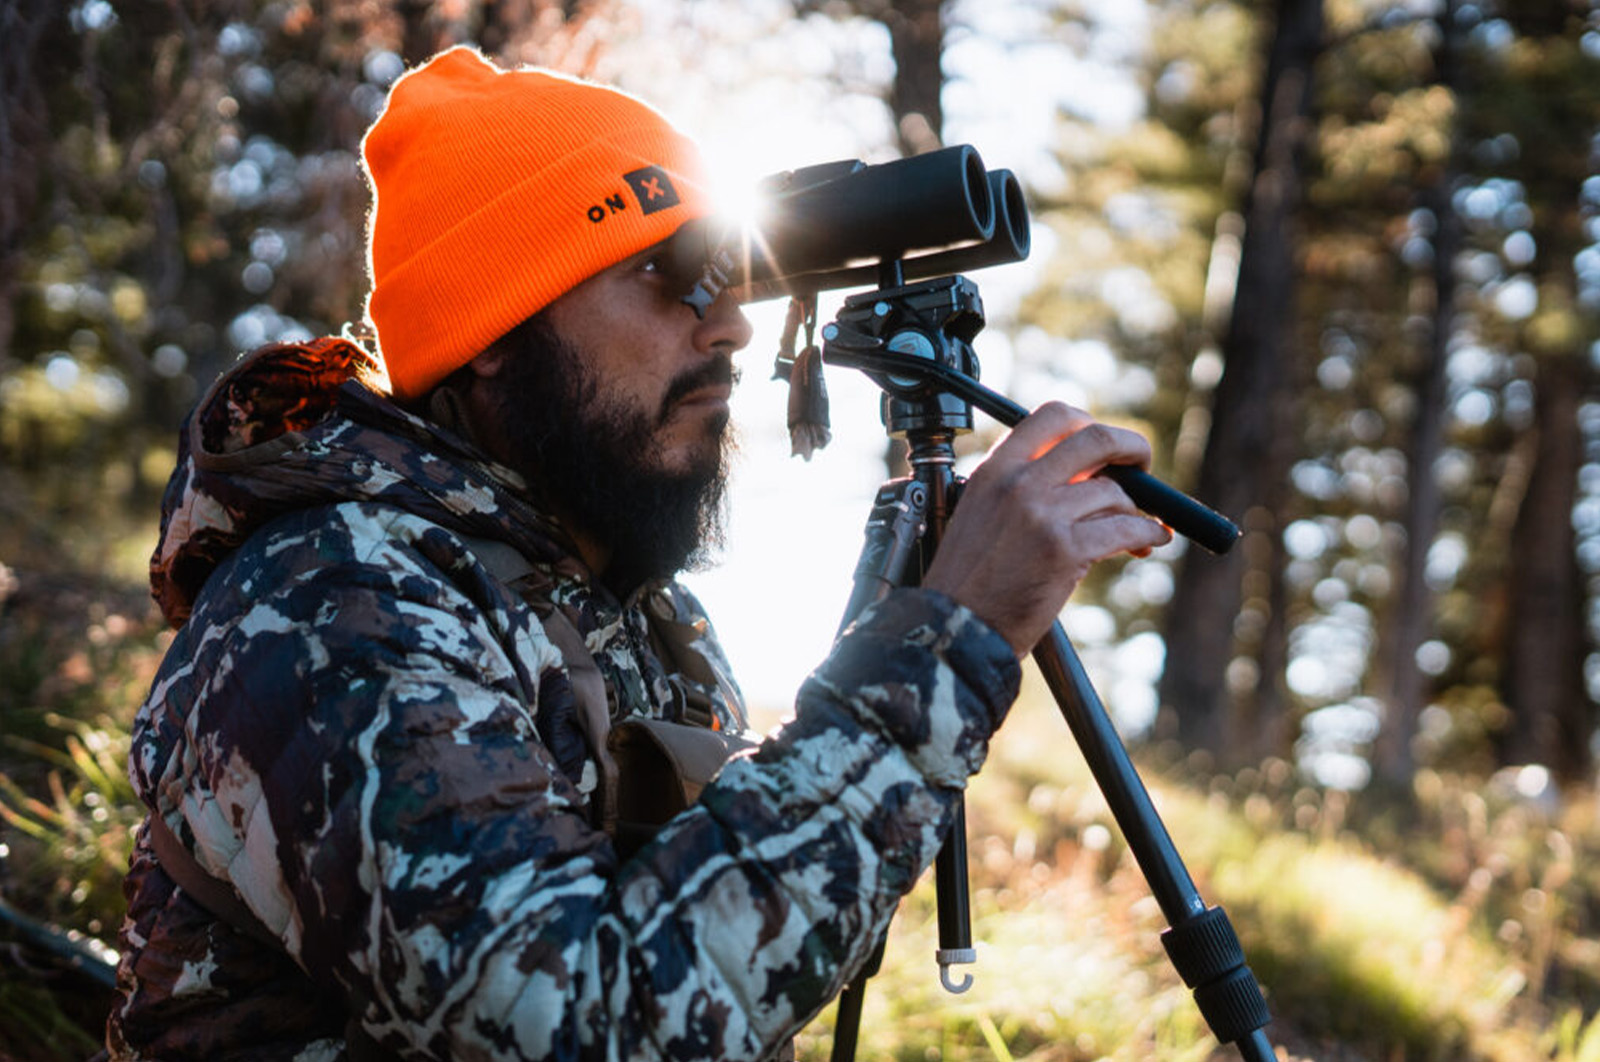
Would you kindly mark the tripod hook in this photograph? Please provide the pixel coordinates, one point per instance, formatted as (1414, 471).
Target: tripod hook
(948, 957)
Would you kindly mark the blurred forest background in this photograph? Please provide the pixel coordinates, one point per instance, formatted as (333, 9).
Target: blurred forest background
(1340, 259)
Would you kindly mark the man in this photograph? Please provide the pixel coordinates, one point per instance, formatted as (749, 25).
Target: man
(390, 806)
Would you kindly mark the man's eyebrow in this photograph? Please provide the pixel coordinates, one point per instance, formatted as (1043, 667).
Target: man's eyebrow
(649, 252)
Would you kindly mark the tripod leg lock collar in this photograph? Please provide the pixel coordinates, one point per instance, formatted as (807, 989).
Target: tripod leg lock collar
(1206, 952)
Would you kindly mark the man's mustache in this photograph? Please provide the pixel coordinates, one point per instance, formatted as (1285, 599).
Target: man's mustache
(719, 371)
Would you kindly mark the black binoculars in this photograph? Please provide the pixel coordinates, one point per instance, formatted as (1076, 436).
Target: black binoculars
(839, 224)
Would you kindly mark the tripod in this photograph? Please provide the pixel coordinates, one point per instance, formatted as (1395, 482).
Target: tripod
(914, 341)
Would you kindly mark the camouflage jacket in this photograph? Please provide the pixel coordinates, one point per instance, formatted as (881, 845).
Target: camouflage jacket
(370, 738)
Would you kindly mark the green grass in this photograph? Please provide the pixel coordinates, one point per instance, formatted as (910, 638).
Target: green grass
(76, 654)
(72, 841)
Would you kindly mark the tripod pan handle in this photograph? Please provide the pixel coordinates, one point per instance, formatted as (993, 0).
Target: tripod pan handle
(1171, 506)
(1193, 520)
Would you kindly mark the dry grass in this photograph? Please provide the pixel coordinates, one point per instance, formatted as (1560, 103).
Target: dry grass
(1362, 956)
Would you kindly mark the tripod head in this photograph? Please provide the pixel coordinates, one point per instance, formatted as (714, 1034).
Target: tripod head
(933, 321)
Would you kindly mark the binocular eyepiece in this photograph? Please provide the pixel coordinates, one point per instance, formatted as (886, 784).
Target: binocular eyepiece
(847, 224)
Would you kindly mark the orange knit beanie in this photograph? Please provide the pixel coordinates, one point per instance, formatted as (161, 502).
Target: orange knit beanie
(494, 192)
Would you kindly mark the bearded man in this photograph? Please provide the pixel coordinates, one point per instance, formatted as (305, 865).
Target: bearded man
(427, 759)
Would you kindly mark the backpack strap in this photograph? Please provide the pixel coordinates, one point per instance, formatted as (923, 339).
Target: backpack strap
(698, 669)
(594, 711)
(651, 769)
(509, 566)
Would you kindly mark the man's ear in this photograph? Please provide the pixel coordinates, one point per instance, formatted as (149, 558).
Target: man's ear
(490, 363)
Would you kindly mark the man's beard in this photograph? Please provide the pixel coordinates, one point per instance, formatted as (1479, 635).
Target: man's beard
(595, 458)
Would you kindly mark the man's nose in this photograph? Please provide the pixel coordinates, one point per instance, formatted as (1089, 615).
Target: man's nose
(725, 329)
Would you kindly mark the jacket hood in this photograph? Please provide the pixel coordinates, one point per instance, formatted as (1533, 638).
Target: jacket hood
(294, 425)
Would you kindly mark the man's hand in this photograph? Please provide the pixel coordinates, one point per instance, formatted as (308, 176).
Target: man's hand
(1033, 518)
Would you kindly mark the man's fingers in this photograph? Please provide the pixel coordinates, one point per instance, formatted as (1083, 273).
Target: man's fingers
(1090, 498)
(1058, 443)
(1106, 536)
(1089, 449)
(1095, 519)
(1039, 432)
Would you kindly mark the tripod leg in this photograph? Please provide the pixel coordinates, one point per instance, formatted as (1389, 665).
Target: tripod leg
(894, 528)
(955, 941)
(847, 1024)
(1201, 942)
(955, 918)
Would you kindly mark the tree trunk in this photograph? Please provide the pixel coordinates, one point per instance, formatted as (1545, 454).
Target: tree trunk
(916, 36)
(24, 141)
(419, 32)
(1404, 686)
(1552, 719)
(1251, 443)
